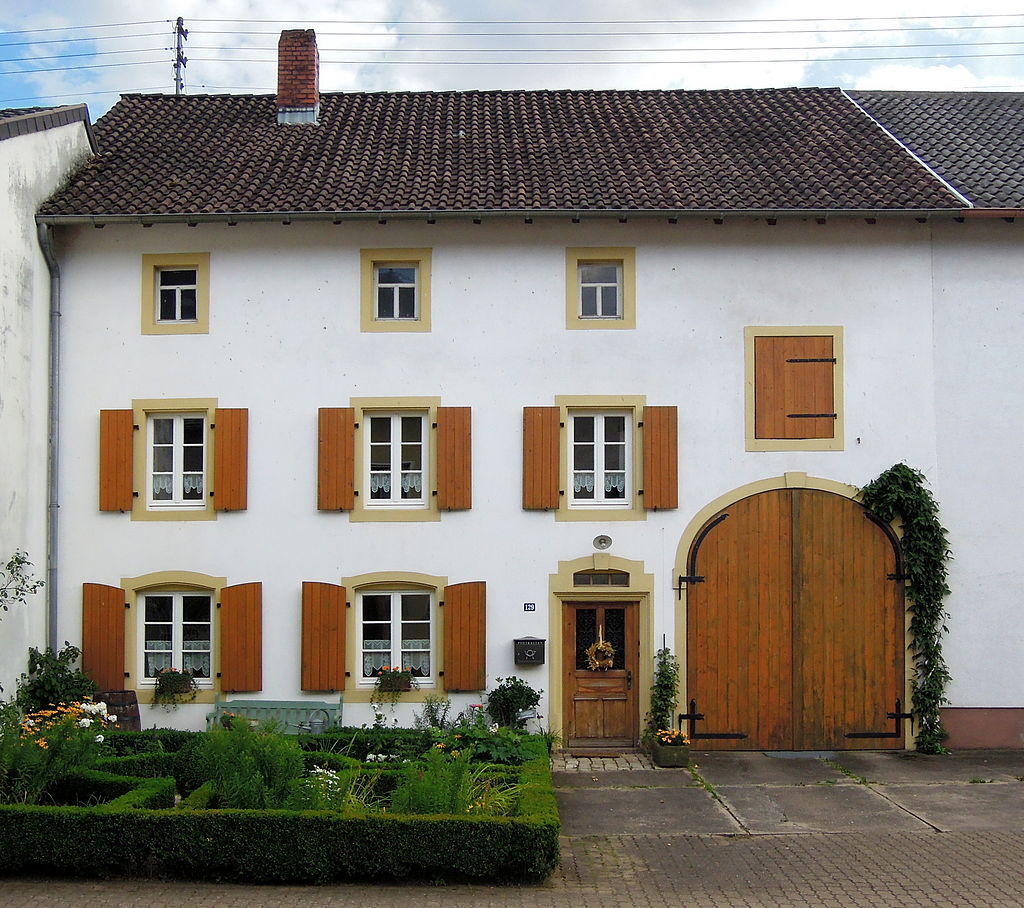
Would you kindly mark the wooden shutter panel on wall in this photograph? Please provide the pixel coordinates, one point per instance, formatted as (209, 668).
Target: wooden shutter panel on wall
(335, 487)
(454, 459)
(661, 446)
(103, 634)
(241, 637)
(323, 636)
(230, 459)
(541, 441)
(116, 442)
(465, 636)
(794, 387)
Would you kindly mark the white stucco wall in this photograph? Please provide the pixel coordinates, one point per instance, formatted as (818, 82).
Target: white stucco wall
(31, 168)
(284, 340)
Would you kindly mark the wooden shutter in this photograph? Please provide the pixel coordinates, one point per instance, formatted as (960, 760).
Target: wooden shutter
(116, 443)
(323, 636)
(454, 459)
(661, 484)
(465, 636)
(230, 459)
(541, 442)
(103, 620)
(241, 637)
(794, 387)
(335, 488)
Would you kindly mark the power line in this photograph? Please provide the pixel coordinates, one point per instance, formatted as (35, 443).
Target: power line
(82, 40)
(71, 28)
(619, 21)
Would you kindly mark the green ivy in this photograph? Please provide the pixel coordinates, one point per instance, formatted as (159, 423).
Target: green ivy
(663, 693)
(900, 493)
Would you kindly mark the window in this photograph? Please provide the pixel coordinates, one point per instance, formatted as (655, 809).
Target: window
(600, 287)
(177, 460)
(175, 293)
(598, 577)
(177, 633)
(600, 452)
(395, 289)
(396, 630)
(794, 389)
(396, 457)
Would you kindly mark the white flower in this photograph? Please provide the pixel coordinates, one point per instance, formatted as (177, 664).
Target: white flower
(84, 723)
(112, 719)
(494, 728)
(98, 739)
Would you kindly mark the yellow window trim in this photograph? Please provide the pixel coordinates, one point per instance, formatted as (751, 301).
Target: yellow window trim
(633, 403)
(365, 406)
(368, 260)
(391, 580)
(141, 410)
(836, 443)
(133, 588)
(583, 255)
(151, 265)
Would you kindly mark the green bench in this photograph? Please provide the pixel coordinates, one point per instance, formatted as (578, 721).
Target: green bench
(294, 716)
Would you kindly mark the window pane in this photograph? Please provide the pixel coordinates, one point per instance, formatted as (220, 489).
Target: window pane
(588, 302)
(197, 663)
(376, 608)
(407, 302)
(192, 486)
(380, 428)
(193, 430)
(412, 457)
(158, 636)
(163, 431)
(188, 304)
(412, 428)
(156, 662)
(615, 428)
(615, 457)
(416, 607)
(177, 277)
(168, 305)
(583, 485)
(396, 274)
(377, 632)
(192, 459)
(609, 301)
(158, 608)
(583, 428)
(380, 459)
(599, 274)
(196, 608)
(163, 460)
(583, 457)
(385, 302)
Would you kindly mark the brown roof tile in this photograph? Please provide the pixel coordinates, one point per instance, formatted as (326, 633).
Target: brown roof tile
(771, 149)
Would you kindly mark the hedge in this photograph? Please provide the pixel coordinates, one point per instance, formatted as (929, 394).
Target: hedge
(128, 837)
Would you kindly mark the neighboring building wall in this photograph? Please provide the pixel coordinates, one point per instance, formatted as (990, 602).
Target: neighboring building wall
(284, 339)
(32, 167)
(979, 335)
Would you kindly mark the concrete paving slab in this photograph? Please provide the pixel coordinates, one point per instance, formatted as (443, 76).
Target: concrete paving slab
(815, 808)
(962, 806)
(909, 766)
(756, 768)
(643, 811)
(637, 778)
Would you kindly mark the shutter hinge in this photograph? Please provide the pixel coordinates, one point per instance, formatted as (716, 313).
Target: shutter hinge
(640, 424)
(218, 605)
(561, 425)
(440, 604)
(348, 605)
(135, 494)
(348, 674)
(812, 359)
(440, 674)
(639, 491)
(218, 674)
(127, 605)
(434, 493)
(560, 492)
(213, 425)
(899, 577)
(135, 427)
(127, 674)
(812, 416)
(433, 425)
(355, 425)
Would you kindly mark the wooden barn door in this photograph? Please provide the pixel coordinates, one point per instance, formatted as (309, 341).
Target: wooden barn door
(601, 706)
(795, 634)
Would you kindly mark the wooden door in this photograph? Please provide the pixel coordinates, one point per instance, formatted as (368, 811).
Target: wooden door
(601, 705)
(795, 633)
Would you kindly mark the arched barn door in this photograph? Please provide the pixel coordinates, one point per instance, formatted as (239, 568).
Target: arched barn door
(795, 629)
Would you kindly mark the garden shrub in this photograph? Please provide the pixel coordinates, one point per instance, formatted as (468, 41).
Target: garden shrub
(250, 769)
(53, 679)
(511, 696)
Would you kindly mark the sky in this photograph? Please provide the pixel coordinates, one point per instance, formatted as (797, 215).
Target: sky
(72, 51)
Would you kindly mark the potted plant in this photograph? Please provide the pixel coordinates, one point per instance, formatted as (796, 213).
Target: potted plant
(663, 694)
(390, 682)
(174, 686)
(670, 748)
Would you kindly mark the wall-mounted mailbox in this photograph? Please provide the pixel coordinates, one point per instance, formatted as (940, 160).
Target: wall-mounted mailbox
(528, 651)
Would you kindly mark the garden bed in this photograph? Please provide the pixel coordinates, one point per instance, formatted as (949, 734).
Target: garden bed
(121, 823)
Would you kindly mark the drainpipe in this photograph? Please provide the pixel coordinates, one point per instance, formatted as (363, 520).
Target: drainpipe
(45, 234)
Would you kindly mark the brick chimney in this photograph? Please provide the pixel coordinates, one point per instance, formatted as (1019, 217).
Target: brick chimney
(298, 77)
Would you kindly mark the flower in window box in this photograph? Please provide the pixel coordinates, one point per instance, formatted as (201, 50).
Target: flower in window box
(174, 686)
(394, 679)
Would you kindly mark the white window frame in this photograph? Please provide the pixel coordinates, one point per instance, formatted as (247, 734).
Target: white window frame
(600, 286)
(395, 621)
(600, 499)
(177, 288)
(395, 287)
(395, 475)
(177, 623)
(177, 500)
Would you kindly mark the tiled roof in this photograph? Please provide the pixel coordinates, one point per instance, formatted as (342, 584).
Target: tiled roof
(764, 150)
(975, 140)
(22, 121)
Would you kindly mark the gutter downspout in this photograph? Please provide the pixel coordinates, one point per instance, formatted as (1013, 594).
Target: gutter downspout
(45, 235)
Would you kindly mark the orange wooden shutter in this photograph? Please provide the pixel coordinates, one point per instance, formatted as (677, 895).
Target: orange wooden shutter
(335, 488)
(793, 387)
(230, 459)
(454, 459)
(541, 440)
(323, 636)
(103, 634)
(661, 484)
(241, 637)
(465, 636)
(116, 442)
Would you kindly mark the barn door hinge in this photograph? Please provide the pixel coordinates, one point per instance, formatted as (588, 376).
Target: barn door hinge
(897, 716)
(692, 578)
(692, 718)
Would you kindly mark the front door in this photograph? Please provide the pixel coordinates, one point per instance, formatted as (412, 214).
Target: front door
(601, 704)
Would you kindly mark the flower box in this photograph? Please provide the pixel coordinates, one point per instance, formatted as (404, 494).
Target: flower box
(394, 683)
(670, 756)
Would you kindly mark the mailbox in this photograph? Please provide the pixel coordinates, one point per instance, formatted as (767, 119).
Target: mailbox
(528, 651)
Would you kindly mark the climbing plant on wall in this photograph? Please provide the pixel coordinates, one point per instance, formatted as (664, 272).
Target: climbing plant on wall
(900, 493)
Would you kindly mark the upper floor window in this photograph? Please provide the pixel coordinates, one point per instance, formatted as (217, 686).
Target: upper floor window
(177, 633)
(397, 455)
(600, 451)
(600, 289)
(397, 631)
(176, 293)
(395, 289)
(177, 460)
